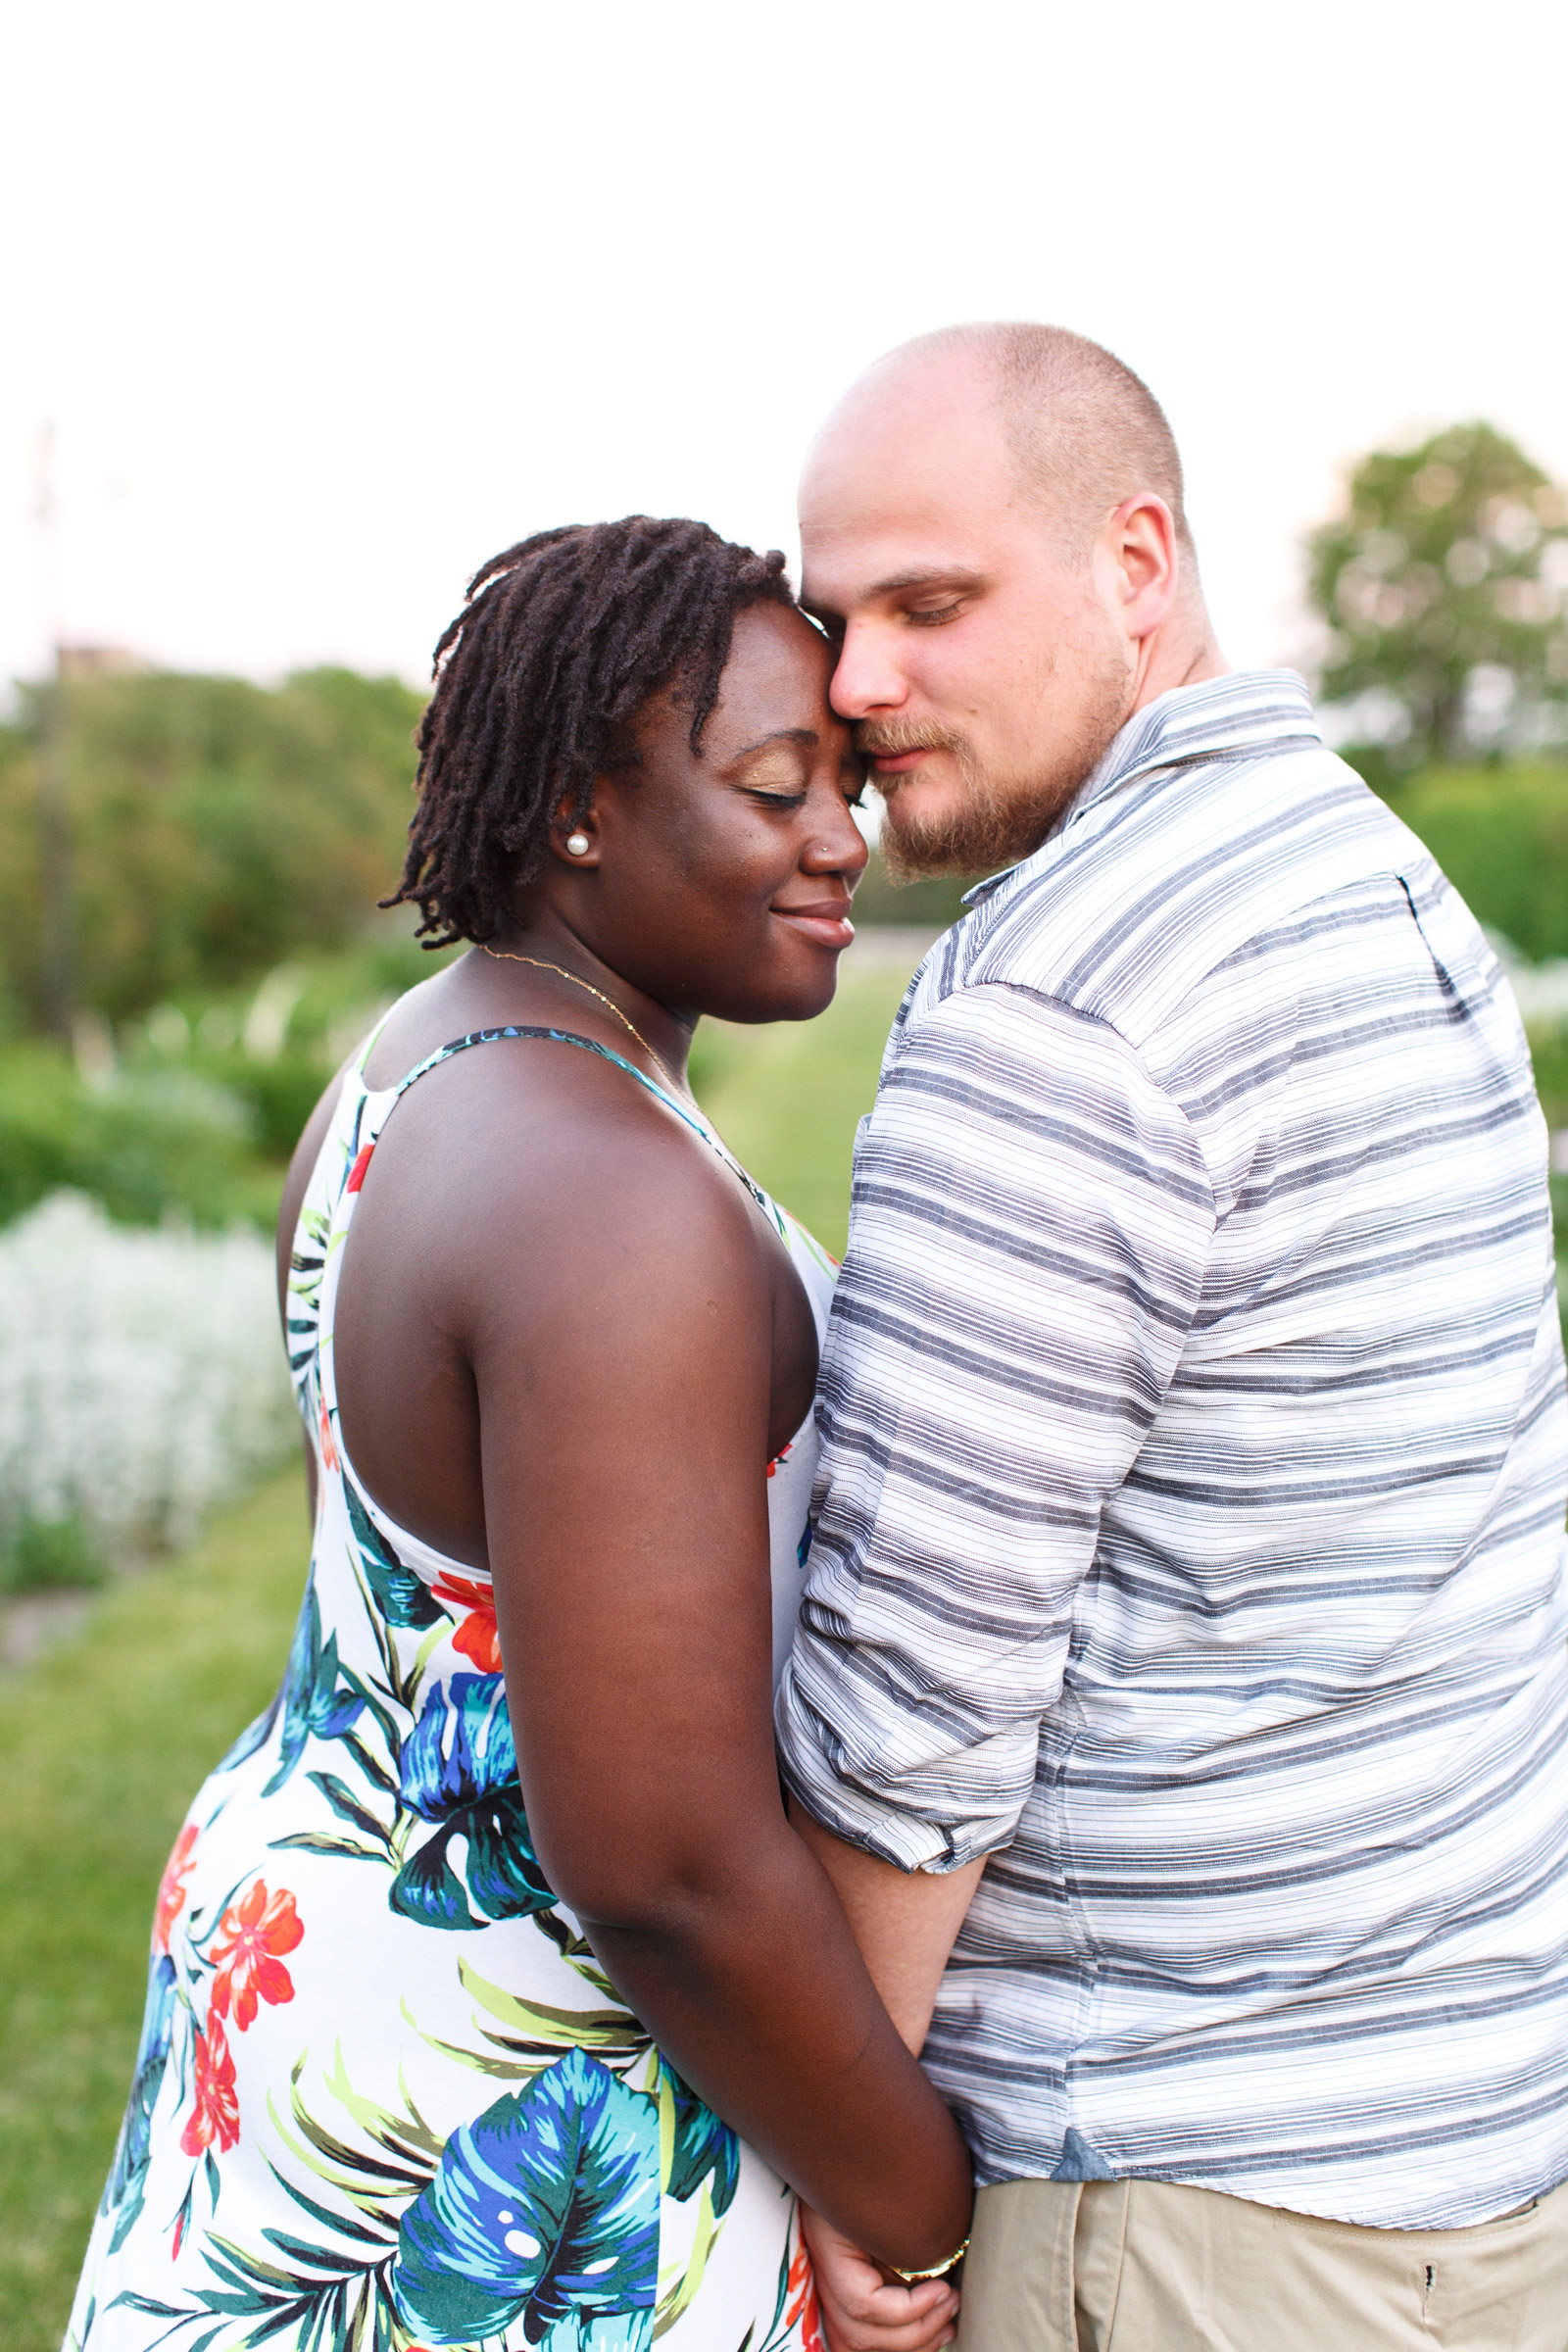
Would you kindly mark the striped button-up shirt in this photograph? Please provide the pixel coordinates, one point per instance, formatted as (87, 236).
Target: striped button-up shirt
(1190, 1519)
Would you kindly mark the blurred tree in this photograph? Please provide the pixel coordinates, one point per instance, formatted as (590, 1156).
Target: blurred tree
(1445, 585)
(218, 827)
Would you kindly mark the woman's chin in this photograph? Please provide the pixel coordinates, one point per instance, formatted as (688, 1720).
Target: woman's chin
(796, 996)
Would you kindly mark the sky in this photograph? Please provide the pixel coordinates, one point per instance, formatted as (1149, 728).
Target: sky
(326, 303)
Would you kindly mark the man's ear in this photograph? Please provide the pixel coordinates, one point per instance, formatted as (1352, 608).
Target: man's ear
(1140, 539)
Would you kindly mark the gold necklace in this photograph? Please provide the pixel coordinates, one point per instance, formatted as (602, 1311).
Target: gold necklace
(716, 1141)
(504, 955)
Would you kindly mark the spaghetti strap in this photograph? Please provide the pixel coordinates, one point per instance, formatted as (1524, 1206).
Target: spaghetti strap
(570, 1037)
(561, 1037)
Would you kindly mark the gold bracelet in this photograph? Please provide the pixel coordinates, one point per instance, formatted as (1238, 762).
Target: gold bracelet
(938, 2270)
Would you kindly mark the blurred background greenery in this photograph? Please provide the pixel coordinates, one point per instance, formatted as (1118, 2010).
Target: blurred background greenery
(188, 946)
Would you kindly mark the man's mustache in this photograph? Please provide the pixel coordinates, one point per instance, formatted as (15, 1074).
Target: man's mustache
(891, 736)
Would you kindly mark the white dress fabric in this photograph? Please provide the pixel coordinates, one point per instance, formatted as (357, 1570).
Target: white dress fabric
(385, 2097)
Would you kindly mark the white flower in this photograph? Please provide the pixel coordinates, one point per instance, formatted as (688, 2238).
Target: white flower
(142, 1374)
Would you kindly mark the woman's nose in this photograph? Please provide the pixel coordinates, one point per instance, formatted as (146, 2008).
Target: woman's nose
(839, 849)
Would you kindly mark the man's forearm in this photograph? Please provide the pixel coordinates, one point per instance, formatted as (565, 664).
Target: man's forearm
(756, 1992)
(905, 1922)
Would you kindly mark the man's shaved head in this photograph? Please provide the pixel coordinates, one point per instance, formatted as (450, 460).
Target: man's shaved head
(991, 528)
(1083, 431)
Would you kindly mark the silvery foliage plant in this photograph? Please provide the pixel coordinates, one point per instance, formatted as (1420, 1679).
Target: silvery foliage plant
(142, 1375)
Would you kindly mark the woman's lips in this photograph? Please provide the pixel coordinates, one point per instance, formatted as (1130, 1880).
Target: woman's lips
(828, 924)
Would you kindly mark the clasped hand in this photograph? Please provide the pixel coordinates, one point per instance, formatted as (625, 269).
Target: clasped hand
(861, 2312)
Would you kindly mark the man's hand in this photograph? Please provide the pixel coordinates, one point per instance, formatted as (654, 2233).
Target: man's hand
(860, 2311)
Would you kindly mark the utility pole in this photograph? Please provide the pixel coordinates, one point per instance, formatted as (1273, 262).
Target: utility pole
(57, 922)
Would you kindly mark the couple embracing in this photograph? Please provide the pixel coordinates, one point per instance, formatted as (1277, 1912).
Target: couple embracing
(1109, 1748)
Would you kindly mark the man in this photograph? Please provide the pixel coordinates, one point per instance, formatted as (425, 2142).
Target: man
(1189, 1552)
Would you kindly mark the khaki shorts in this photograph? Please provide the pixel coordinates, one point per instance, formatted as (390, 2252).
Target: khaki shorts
(1145, 2266)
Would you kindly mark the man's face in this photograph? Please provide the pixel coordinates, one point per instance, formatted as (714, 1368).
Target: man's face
(980, 657)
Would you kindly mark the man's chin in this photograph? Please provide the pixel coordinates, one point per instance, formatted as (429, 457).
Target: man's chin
(978, 838)
(920, 854)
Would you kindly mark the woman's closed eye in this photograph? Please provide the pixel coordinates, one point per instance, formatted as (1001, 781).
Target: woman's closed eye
(776, 781)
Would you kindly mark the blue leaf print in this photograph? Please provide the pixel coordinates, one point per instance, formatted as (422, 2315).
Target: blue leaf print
(400, 1595)
(127, 2174)
(546, 2206)
(704, 2145)
(461, 1749)
(315, 1694)
(459, 1769)
(619, 2331)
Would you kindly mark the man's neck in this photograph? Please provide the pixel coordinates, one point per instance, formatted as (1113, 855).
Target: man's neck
(1182, 651)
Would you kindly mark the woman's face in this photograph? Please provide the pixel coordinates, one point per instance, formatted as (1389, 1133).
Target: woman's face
(720, 881)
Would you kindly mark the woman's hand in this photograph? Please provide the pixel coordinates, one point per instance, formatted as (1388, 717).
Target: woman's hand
(861, 2312)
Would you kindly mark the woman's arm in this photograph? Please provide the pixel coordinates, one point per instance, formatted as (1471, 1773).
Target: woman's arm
(623, 1362)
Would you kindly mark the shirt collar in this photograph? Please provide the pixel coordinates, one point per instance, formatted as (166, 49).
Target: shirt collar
(1248, 711)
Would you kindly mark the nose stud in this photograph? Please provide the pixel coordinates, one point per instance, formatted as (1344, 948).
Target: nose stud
(579, 844)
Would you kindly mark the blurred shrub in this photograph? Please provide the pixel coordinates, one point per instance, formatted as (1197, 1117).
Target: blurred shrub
(146, 1144)
(273, 1049)
(51, 1555)
(142, 1379)
(1549, 1051)
(279, 1096)
(928, 905)
(218, 827)
(1501, 835)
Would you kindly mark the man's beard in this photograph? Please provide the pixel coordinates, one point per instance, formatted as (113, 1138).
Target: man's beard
(999, 819)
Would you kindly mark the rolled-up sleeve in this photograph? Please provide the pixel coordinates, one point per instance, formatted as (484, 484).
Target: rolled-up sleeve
(1032, 1218)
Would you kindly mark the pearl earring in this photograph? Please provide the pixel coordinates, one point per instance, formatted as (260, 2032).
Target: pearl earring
(579, 844)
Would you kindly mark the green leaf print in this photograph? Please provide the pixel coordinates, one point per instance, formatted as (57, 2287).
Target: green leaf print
(400, 1595)
(346, 1806)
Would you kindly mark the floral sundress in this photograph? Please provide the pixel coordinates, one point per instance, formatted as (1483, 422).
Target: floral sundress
(385, 2097)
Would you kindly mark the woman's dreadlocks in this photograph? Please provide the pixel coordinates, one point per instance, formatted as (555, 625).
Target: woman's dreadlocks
(560, 642)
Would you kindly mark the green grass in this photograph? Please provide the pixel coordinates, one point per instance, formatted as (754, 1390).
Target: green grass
(103, 1744)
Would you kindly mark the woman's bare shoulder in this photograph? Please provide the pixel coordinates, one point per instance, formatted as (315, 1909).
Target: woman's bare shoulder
(531, 1167)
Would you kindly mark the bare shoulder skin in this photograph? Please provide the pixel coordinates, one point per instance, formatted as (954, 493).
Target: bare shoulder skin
(567, 1344)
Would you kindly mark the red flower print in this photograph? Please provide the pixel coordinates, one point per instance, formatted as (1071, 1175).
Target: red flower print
(172, 1886)
(800, 2299)
(329, 1458)
(477, 1636)
(247, 1953)
(357, 1173)
(215, 2114)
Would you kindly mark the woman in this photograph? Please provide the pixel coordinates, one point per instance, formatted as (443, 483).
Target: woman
(468, 1945)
